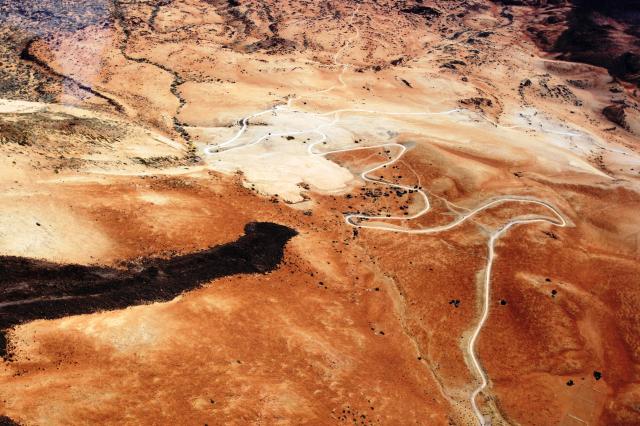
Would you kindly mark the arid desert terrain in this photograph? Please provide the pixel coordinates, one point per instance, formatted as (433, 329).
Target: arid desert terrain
(371, 212)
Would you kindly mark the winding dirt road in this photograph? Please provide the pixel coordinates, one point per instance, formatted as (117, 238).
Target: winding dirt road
(357, 219)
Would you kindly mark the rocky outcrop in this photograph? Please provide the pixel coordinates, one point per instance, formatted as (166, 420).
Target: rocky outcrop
(426, 11)
(616, 114)
(623, 115)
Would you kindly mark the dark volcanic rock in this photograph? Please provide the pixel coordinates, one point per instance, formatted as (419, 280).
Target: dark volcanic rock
(7, 421)
(33, 289)
(530, 2)
(627, 66)
(48, 17)
(601, 33)
(616, 114)
(426, 11)
(478, 102)
(272, 45)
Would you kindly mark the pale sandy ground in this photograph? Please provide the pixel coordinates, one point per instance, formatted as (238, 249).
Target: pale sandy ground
(33, 220)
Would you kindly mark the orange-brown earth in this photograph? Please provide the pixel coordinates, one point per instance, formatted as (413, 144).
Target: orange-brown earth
(107, 112)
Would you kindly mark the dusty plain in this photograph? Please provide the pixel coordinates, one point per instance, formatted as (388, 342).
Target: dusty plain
(138, 133)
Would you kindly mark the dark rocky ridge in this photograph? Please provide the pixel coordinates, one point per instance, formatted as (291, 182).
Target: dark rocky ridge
(598, 34)
(616, 114)
(601, 33)
(6, 421)
(33, 289)
(42, 18)
(426, 11)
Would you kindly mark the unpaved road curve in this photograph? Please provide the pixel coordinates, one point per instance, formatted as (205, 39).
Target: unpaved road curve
(486, 297)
